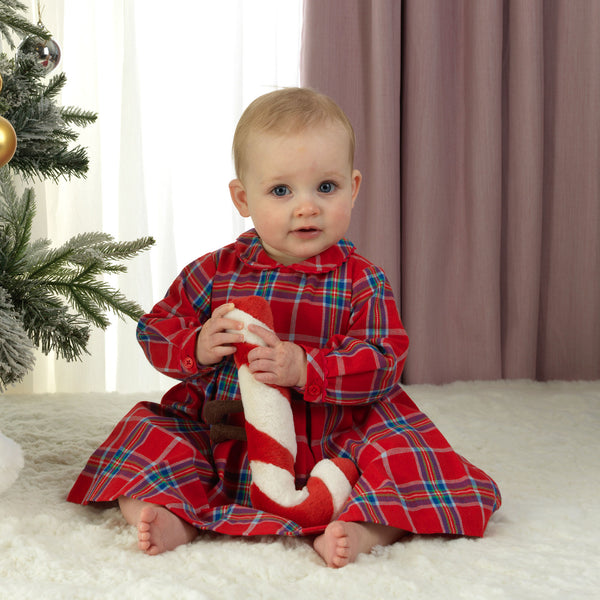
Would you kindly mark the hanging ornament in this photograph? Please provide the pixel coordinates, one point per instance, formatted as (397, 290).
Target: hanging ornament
(8, 138)
(8, 141)
(45, 52)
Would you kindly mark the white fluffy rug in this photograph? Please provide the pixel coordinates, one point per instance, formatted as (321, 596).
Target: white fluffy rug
(539, 441)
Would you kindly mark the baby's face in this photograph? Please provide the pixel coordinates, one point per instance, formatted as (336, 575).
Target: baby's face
(299, 190)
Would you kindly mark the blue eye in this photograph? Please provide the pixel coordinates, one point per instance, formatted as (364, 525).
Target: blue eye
(327, 187)
(280, 191)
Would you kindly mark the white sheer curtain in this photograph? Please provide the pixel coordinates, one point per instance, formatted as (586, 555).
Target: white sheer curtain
(169, 83)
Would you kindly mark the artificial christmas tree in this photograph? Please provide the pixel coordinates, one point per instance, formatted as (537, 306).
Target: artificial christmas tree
(49, 297)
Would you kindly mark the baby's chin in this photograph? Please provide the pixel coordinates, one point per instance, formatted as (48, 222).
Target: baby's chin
(285, 257)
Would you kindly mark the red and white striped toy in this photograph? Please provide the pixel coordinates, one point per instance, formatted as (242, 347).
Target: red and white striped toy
(272, 440)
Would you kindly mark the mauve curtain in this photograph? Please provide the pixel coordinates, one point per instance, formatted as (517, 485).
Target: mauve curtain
(478, 126)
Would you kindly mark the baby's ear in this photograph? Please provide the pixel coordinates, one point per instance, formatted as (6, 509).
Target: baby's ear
(356, 181)
(238, 196)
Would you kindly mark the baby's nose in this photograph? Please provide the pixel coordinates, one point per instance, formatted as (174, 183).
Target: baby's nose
(306, 206)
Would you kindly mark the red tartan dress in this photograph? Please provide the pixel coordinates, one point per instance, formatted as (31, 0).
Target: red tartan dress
(339, 307)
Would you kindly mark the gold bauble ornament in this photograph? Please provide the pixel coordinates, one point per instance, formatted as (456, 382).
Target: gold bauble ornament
(8, 141)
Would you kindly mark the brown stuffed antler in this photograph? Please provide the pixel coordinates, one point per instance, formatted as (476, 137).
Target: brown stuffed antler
(215, 414)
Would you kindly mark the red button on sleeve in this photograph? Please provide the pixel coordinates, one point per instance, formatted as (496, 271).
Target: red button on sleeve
(314, 390)
(188, 363)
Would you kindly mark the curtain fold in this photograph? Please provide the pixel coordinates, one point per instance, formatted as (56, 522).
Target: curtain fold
(522, 187)
(451, 199)
(493, 236)
(570, 289)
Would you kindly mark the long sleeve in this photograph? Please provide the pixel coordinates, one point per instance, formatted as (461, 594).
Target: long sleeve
(363, 364)
(168, 333)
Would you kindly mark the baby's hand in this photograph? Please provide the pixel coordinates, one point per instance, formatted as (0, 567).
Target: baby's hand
(277, 363)
(213, 341)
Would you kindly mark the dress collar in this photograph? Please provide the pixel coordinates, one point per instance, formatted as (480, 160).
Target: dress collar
(250, 251)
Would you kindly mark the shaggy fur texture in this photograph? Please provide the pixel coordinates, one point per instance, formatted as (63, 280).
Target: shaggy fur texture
(11, 462)
(539, 441)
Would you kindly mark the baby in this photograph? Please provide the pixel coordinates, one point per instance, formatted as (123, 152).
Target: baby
(338, 344)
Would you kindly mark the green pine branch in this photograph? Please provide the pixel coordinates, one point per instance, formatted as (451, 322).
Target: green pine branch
(54, 165)
(59, 293)
(45, 130)
(12, 23)
(76, 116)
(16, 349)
(16, 219)
(54, 86)
(47, 321)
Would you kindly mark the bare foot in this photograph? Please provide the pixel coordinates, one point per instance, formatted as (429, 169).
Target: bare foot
(342, 541)
(159, 530)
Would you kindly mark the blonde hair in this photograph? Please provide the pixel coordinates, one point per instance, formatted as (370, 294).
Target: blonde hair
(285, 111)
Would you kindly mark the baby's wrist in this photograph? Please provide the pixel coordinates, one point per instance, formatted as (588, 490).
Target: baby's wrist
(302, 379)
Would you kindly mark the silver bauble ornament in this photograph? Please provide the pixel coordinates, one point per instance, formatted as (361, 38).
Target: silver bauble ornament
(45, 52)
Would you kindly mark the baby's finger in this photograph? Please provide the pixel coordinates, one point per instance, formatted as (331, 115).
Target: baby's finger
(222, 310)
(224, 350)
(259, 352)
(266, 335)
(229, 324)
(226, 338)
(262, 367)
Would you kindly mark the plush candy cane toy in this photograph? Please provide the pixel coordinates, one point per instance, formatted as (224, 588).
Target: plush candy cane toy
(272, 440)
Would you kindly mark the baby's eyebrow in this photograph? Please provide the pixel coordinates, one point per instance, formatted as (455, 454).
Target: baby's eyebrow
(334, 173)
(275, 180)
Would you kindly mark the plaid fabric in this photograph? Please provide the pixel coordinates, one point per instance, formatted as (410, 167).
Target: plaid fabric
(339, 307)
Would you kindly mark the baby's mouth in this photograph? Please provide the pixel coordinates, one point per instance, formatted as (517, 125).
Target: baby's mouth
(306, 231)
